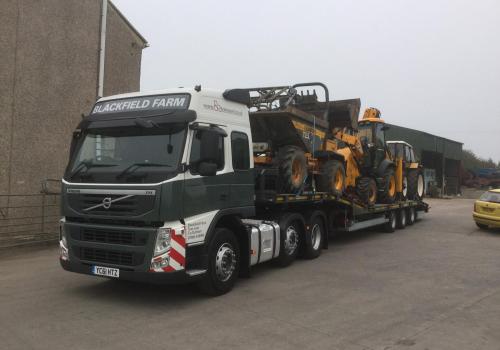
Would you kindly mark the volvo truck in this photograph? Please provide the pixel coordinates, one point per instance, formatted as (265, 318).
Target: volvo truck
(171, 187)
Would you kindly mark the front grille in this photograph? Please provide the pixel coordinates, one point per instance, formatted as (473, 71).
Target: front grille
(121, 205)
(113, 237)
(111, 257)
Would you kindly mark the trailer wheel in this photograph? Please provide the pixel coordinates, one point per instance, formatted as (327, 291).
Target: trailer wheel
(292, 168)
(332, 177)
(390, 226)
(401, 219)
(366, 188)
(290, 235)
(223, 263)
(388, 187)
(415, 184)
(410, 216)
(313, 242)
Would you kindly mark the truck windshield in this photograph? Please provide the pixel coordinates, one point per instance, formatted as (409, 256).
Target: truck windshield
(128, 155)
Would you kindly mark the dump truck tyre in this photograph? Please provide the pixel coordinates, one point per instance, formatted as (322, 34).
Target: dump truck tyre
(366, 188)
(292, 168)
(415, 184)
(332, 178)
(387, 193)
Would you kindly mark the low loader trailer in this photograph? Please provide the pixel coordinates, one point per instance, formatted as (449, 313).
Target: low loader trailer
(164, 187)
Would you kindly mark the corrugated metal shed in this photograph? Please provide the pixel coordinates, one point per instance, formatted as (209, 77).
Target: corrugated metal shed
(422, 141)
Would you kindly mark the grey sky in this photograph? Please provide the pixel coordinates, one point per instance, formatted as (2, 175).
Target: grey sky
(430, 65)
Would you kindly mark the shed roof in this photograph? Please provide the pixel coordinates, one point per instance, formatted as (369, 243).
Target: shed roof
(423, 141)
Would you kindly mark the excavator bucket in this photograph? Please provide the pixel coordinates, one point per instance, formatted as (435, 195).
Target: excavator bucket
(344, 114)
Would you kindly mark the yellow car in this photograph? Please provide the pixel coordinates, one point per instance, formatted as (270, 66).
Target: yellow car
(487, 210)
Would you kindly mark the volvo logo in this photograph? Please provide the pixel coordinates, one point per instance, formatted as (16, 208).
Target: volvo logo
(106, 202)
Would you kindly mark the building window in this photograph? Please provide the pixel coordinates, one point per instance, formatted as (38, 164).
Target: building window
(240, 151)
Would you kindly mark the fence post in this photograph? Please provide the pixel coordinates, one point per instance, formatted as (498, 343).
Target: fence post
(43, 213)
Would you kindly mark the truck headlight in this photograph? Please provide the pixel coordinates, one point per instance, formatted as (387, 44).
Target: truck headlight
(62, 235)
(162, 244)
(63, 242)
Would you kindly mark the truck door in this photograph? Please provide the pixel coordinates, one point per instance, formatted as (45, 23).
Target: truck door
(242, 184)
(207, 184)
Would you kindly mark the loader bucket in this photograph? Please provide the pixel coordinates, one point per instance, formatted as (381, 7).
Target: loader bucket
(344, 114)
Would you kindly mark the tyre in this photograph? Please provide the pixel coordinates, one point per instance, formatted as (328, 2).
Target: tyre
(332, 177)
(410, 216)
(313, 239)
(482, 226)
(366, 188)
(223, 263)
(291, 232)
(387, 189)
(390, 226)
(401, 219)
(415, 184)
(292, 168)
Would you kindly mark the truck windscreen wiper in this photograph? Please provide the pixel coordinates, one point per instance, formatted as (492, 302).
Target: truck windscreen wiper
(87, 164)
(133, 167)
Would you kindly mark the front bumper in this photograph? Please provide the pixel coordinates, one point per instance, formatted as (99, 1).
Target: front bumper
(489, 220)
(174, 277)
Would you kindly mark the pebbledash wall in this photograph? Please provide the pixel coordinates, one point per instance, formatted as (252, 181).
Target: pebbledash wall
(49, 69)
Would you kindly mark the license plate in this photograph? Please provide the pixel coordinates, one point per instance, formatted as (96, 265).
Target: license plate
(105, 271)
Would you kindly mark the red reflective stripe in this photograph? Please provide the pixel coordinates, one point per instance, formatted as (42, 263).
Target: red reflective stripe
(179, 239)
(174, 254)
(168, 269)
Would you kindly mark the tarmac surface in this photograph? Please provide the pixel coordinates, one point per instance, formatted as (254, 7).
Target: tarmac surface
(433, 285)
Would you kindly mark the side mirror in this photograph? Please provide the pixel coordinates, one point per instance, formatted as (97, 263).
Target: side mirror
(207, 169)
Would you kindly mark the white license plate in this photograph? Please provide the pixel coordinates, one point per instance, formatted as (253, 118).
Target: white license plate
(105, 271)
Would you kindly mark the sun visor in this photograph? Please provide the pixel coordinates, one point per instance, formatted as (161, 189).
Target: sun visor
(175, 117)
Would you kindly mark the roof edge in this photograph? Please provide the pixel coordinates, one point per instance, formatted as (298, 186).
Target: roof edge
(427, 133)
(130, 25)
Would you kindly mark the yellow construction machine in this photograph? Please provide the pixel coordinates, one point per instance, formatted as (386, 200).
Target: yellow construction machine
(304, 145)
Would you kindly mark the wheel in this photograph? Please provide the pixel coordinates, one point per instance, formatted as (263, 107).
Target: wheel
(401, 219)
(410, 216)
(404, 194)
(390, 226)
(223, 263)
(332, 177)
(313, 240)
(290, 234)
(415, 184)
(366, 188)
(388, 187)
(292, 168)
(482, 226)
